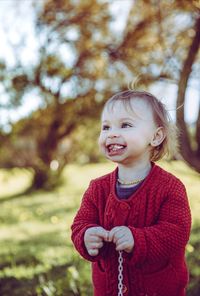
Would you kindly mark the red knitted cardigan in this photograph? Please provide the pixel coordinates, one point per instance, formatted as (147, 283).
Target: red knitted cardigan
(158, 215)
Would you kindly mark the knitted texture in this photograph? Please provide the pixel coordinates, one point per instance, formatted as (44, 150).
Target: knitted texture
(158, 215)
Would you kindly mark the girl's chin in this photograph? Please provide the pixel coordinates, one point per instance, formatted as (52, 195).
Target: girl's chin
(115, 157)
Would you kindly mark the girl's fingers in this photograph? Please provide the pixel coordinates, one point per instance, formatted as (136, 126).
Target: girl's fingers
(112, 233)
(106, 236)
(119, 237)
(120, 240)
(96, 231)
(102, 233)
(94, 238)
(93, 252)
(118, 234)
(96, 245)
(121, 247)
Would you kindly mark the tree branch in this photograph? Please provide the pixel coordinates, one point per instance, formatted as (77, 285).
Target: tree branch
(185, 146)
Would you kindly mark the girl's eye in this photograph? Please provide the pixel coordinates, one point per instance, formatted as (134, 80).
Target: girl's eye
(125, 125)
(105, 127)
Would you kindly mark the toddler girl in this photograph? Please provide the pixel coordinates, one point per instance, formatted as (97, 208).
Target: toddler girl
(134, 223)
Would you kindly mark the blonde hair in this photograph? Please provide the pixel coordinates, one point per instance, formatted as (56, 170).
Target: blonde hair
(161, 116)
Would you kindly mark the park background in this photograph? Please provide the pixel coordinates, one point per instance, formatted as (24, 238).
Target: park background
(60, 60)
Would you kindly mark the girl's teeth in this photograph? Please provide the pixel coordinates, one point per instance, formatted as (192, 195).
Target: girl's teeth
(115, 147)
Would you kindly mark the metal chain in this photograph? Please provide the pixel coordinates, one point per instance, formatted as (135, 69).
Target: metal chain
(120, 274)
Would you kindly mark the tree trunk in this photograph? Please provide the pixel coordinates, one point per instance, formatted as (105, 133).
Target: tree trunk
(45, 179)
(190, 155)
(40, 179)
(197, 133)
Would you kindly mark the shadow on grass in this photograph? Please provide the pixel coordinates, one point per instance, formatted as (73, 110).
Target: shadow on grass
(28, 269)
(55, 279)
(12, 197)
(28, 252)
(27, 191)
(70, 279)
(30, 191)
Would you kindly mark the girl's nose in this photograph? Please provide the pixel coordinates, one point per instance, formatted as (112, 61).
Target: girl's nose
(113, 134)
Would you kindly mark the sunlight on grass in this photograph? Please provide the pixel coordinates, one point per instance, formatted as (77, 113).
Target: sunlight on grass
(14, 181)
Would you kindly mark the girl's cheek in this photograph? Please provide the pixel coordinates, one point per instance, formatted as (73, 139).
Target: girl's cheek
(102, 139)
(101, 143)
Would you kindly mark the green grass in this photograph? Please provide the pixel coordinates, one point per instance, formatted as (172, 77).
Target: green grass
(36, 253)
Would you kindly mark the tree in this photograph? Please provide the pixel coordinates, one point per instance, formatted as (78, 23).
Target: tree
(81, 61)
(68, 89)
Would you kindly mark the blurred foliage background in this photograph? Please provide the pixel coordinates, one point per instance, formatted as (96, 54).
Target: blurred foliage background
(83, 52)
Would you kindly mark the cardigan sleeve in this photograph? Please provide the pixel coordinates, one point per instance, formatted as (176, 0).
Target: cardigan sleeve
(86, 217)
(169, 235)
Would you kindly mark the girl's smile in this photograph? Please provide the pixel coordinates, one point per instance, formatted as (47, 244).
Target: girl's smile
(115, 149)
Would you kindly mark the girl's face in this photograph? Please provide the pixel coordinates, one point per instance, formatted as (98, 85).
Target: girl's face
(126, 135)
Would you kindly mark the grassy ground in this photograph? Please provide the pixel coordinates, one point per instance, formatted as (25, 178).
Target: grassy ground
(36, 254)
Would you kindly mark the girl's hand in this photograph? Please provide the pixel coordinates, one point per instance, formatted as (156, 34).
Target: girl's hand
(122, 237)
(93, 239)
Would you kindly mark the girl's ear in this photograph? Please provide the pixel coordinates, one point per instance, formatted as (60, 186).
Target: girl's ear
(158, 137)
